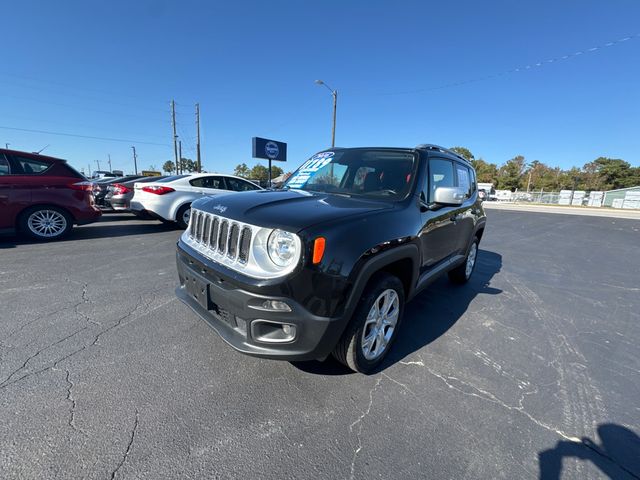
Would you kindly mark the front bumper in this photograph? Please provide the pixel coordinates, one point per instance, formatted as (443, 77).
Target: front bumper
(232, 311)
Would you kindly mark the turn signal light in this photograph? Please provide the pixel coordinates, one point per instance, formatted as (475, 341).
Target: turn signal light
(157, 189)
(318, 249)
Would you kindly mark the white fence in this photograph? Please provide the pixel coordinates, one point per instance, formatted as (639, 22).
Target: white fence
(631, 199)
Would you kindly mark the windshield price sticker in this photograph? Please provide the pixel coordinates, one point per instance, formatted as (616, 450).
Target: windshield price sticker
(310, 167)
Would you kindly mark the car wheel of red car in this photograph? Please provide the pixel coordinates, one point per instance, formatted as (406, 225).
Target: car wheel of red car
(45, 223)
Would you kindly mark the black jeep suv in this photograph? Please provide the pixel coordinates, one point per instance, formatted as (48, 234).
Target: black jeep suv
(325, 265)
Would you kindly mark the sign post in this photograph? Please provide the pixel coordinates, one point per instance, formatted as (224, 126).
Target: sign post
(269, 150)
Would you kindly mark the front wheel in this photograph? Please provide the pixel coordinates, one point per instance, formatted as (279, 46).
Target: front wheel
(183, 216)
(45, 223)
(374, 325)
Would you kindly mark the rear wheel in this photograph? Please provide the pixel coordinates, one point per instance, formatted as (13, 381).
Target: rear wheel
(374, 325)
(45, 223)
(183, 216)
(462, 274)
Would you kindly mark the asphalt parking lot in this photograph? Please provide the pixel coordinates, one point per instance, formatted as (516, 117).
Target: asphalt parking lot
(531, 370)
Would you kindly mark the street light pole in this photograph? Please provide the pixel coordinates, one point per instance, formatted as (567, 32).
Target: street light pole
(334, 94)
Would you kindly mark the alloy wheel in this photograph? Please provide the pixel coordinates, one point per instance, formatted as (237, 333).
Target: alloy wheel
(47, 223)
(380, 324)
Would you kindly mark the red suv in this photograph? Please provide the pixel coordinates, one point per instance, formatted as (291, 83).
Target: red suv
(41, 196)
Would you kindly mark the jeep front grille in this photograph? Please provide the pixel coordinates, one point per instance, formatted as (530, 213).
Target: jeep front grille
(220, 236)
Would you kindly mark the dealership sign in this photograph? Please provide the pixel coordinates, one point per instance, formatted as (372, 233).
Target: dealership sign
(269, 149)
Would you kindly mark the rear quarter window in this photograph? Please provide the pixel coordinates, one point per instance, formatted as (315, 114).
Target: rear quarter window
(31, 166)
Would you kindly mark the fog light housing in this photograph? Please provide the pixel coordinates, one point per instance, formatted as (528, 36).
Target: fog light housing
(272, 332)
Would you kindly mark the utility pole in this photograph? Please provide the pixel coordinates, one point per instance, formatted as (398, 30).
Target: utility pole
(89, 169)
(135, 160)
(109, 155)
(175, 136)
(6, 145)
(180, 150)
(198, 159)
(98, 162)
(333, 128)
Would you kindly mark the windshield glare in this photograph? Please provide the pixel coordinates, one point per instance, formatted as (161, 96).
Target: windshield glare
(372, 173)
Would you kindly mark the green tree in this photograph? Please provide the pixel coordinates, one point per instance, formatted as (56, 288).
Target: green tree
(485, 172)
(187, 165)
(260, 172)
(510, 174)
(616, 173)
(168, 166)
(463, 151)
(242, 170)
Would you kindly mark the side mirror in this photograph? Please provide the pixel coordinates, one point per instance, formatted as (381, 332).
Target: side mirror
(449, 196)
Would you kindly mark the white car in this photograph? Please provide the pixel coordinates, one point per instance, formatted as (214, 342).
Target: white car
(170, 199)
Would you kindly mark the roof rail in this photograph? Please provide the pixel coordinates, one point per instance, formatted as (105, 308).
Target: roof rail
(429, 146)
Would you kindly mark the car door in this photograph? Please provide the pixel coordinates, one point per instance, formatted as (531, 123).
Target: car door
(465, 213)
(15, 193)
(438, 235)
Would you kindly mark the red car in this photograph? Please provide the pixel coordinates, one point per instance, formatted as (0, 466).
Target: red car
(42, 197)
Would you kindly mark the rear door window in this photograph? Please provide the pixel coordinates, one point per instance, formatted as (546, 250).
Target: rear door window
(208, 182)
(464, 178)
(31, 166)
(4, 165)
(237, 185)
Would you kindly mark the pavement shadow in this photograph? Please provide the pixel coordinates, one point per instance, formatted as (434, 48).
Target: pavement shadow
(428, 316)
(617, 456)
(99, 229)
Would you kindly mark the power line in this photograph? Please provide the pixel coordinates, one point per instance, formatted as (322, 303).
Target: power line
(523, 68)
(83, 136)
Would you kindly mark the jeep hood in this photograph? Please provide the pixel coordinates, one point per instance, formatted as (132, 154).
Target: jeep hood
(291, 210)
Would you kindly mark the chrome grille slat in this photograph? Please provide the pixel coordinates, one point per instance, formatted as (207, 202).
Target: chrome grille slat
(234, 234)
(205, 230)
(223, 237)
(213, 237)
(245, 243)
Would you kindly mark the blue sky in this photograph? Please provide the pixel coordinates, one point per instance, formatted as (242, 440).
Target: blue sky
(109, 69)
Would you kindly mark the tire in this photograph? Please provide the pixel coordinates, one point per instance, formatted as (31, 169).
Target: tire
(462, 274)
(45, 223)
(352, 349)
(182, 218)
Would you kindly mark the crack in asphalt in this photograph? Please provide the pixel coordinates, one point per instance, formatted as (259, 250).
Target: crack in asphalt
(488, 396)
(5, 382)
(118, 323)
(71, 399)
(358, 422)
(129, 447)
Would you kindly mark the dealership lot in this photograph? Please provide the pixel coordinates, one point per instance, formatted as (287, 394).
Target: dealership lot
(531, 368)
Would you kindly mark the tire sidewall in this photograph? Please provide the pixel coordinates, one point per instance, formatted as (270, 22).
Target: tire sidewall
(180, 214)
(383, 283)
(23, 223)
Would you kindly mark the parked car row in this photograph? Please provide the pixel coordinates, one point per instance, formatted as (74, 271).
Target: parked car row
(43, 197)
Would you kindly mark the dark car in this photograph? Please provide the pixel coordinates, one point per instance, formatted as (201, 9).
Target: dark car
(101, 188)
(119, 194)
(41, 196)
(325, 265)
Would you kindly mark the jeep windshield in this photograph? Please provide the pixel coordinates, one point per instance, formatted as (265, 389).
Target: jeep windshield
(363, 172)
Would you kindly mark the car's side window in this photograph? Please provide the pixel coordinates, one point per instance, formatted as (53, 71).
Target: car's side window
(5, 169)
(472, 176)
(208, 182)
(440, 175)
(464, 178)
(238, 185)
(31, 166)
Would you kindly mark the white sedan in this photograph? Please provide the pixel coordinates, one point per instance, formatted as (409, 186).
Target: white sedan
(170, 199)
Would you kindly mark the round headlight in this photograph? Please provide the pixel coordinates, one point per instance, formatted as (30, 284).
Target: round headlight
(282, 248)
